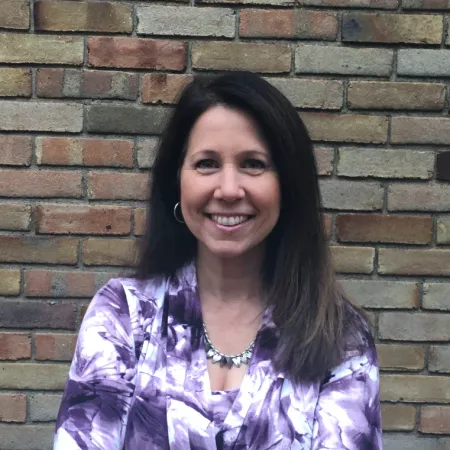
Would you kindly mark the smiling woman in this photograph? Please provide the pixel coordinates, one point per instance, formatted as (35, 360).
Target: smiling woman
(233, 333)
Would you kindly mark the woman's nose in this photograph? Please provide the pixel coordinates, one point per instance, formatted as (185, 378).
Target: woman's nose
(229, 184)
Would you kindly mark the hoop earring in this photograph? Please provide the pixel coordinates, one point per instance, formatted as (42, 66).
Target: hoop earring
(175, 213)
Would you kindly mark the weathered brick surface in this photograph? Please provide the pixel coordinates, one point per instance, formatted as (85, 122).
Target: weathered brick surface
(382, 294)
(34, 249)
(16, 150)
(139, 221)
(398, 95)
(74, 83)
(392, 28)
(439, 359)
(330, 59)
(317, 94)
(410, 441)
(346, 127)
(55, 347)
(443, 230)
(426, 4)
(40, 183)
(163, 87)
(351, 195)
(353, 259)
(32, 314)
(103, 17)
(423, 62)
(401, 357)
(415, 388)
(384, 4)
(435, 419)
(67, 283)
(13, 407)
(178, 21)
(443, 166)
(405, 326)
(15, 82)
(420, 130)
(44, 407)
(126, 119)
(288, 24)
(398, 417)
(251, 2)
(41, 49)
(419, 197)
(39, 116)
(29, 375)
(324, 160)
(398, 163)
(14, 346)
(115, 185)
(62, 151)
(146, 152)
(111, 252)
(80, 219)
(266, 58)
(9, 281)
(27, 437)
(384, 228)
(15, 14)
(436, 296)
(15, 216)
(136, 53)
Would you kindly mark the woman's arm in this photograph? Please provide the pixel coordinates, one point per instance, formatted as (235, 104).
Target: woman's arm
(348, 414)
(100, 386)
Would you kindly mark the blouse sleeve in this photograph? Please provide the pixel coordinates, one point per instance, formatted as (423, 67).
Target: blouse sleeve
(100, 386)
(347, 415)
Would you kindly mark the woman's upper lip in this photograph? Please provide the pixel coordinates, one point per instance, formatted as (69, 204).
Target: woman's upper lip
(234, 214)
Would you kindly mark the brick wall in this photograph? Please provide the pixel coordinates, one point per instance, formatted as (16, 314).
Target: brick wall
(86, 88)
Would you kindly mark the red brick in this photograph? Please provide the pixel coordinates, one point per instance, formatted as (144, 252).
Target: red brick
(64, 283)
(327, 224)
(384, 228)
(398, 417)
(15, 14)
(137, 53)
(103, 17)
(110, 252)
(392, 28)
(163, 87)
(16, 150)
(49, 82)
(82, 219)
(14, 346)
(435, 419)
(15, 216)
(118, 186)
(55, 347)
(39, 183)
(34, 249)
(83, 309)
(62, 151)
(139, 221)
(288, 24)
(13, 407)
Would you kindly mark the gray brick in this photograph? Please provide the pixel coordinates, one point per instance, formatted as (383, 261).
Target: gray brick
(382, 294)
(26, 437)
(436, 296)
(373, 162)
(419, 197)
(126, 119)
(33, 376)
(146, 152)
(186, 21)
(321, 94)
(405, 326)
(426, 4)
(41, 116)
(343, 60)
(410, 441)
(44, 407)
(424, 62)
(443, 230)
(420, 130)
(439, 359)
(351, 195)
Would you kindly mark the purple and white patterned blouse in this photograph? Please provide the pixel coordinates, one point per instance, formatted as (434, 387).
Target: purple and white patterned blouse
(139, 381)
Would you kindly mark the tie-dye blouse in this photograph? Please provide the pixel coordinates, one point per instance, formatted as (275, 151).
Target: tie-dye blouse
(139, 381)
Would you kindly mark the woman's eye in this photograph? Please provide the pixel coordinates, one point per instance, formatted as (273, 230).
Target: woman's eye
(255, 165)
(206, 164)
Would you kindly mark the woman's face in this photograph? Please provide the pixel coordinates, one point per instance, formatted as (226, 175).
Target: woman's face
(230, 193)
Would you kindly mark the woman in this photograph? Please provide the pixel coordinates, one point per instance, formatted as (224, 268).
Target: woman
(233, 334)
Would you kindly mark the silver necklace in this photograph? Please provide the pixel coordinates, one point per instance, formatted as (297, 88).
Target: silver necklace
(223, 359)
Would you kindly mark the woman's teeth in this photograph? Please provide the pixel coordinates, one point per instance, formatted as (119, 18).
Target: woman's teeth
(229, 221)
